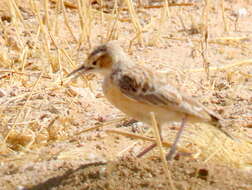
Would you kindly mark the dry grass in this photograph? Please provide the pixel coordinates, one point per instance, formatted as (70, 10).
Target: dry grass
(41, 44)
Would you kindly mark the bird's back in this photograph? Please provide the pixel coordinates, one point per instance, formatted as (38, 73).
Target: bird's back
(142, 84)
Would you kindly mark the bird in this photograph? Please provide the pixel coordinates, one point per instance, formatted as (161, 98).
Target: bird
(138, 90)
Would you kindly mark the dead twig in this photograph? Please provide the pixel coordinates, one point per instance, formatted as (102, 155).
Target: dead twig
(162, 155)
(135, 136)
(67, 4)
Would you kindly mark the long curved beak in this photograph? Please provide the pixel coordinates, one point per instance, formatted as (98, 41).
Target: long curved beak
(81, 68)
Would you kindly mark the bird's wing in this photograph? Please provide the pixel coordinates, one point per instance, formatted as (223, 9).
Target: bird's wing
(143, 86)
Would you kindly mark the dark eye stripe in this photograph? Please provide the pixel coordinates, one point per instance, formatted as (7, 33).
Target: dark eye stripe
(101, 48)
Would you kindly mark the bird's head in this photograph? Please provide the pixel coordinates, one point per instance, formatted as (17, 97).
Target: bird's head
(101, 59)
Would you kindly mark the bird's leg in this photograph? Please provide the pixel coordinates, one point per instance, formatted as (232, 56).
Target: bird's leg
(174, 145)
(146, 150)
(153, 145)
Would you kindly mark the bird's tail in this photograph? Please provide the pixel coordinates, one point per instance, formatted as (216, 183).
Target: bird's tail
(216, 123)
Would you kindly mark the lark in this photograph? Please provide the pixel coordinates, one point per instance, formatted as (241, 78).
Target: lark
(138, 90)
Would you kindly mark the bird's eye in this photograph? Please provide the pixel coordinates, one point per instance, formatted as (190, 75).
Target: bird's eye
(94, 63)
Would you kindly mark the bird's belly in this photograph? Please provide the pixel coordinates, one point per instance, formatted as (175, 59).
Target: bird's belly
(138, 110)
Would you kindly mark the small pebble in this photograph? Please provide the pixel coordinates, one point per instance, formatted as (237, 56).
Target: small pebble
(20, 187)
(242, 12)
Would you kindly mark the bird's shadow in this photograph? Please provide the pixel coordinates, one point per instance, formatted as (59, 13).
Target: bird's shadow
(56, 181)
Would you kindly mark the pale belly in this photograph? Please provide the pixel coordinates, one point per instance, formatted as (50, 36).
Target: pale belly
(137, 110)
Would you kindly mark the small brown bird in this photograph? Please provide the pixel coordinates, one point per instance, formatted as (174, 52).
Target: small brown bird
(137, 90)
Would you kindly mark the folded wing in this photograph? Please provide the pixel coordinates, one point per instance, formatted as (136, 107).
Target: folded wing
(144, 87)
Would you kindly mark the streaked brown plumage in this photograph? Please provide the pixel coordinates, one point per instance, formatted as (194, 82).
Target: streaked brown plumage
(137, 90)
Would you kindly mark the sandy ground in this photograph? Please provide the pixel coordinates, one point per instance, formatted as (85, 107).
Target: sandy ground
(132, 173)
(56, 134)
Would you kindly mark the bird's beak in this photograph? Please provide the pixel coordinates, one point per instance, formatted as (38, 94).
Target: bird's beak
(82, 68)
